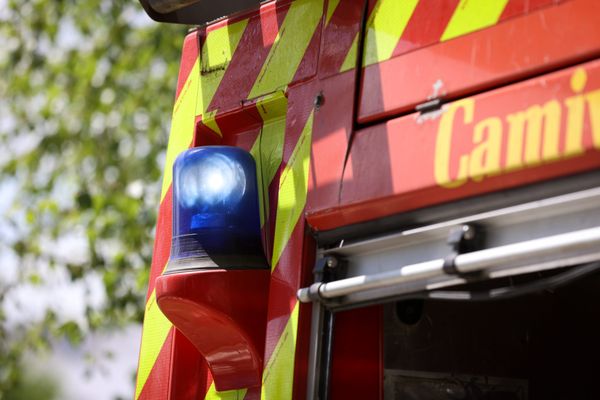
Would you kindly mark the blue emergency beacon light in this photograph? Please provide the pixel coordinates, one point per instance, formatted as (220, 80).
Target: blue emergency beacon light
(216, 220)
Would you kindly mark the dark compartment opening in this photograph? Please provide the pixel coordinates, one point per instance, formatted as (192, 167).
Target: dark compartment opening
(540, 346)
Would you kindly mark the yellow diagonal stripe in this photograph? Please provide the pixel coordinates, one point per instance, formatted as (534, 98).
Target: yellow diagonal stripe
(385, 27)
(331, 6)
(215, 56)
(182, 125)
(292, 192)
(273, 112)
(289, 47)
(156, 330)
(212, 394)
(350, 60)
(471, 15)
(198, 91)
(267, 150)
(278, 376)
(209, 120)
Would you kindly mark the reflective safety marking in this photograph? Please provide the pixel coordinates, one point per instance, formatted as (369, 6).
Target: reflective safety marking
(289, 47)
(389, 19)
(209, 120)
(292, 192)
(194, 96)
(212, 394)
(471, 15)
(262, 204)
(273, 112)
(331, 6)
(280, 67)
(268, 147)
(182, 125)
(215, 56)
(198, 90)
(384, 28)
(156, 330)
(278, 376)
(350, 60)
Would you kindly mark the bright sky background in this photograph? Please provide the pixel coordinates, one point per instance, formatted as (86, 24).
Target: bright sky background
(101, 369)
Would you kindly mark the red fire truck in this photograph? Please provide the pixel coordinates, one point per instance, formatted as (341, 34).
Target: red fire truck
(379, 199)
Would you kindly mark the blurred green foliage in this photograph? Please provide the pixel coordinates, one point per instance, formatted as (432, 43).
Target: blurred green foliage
(86, 91)
(29, 387)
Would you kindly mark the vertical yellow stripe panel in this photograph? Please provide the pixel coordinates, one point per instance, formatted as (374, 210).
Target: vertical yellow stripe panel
(182, 125)
(273, 113)
(471, 15)
(212, 394)
(267, 150)
(215, 55)
(385, 27)
(155, 332)
(292, 192)
(278, 376)
(290, 45)
(262, 205)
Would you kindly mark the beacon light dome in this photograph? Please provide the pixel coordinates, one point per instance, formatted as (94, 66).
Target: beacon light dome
(216, 219)
(216, 180)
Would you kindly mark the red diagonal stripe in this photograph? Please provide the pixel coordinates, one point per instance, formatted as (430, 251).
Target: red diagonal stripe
(338, 36)
(189, 376)
(189, 55)
(157, 384)
(308, 64)
(249, 57)
(285, 279)
(426, 26)
(162, 242)
(253, 394)
(518, 7)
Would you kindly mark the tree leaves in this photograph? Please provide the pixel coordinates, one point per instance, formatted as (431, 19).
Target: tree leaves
(86, 92)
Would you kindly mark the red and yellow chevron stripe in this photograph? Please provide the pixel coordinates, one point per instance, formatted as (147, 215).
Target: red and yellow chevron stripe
(417, 50)
(253, 61)
(157, 329)
(397, 27)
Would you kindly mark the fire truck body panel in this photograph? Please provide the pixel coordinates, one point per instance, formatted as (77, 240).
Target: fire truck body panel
(472, 146)
(467, 48)
(453, 102)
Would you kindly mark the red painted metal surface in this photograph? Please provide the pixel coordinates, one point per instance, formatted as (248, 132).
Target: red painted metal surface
(546, 39)
(304, 323)
(222, 313)
(333, 127)
(357, 361)
(472, 147)
(189, 370)
(337, 37)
